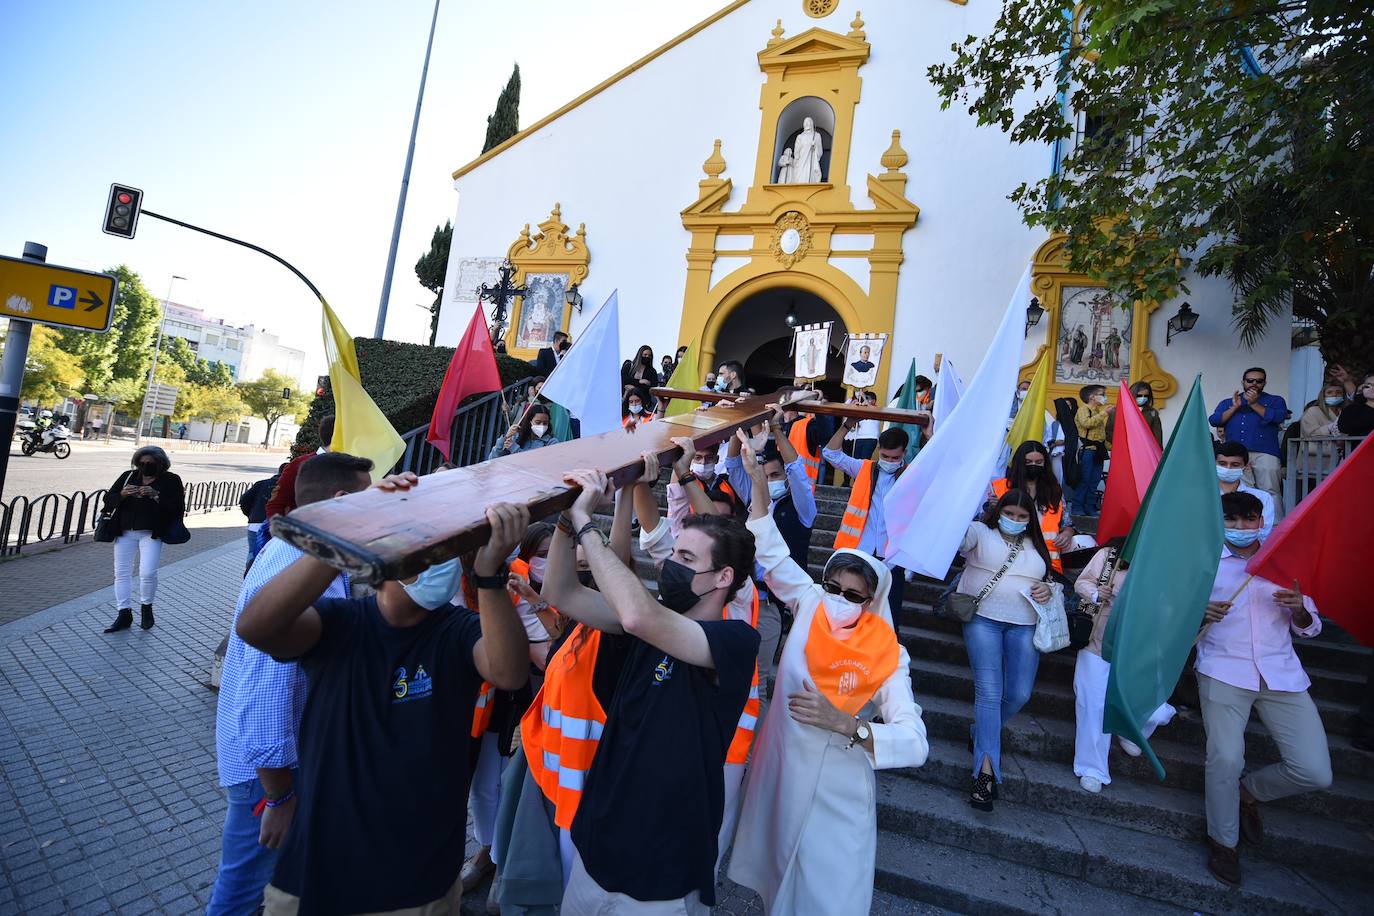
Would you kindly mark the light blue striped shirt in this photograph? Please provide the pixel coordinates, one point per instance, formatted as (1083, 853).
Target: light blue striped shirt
(260, 699)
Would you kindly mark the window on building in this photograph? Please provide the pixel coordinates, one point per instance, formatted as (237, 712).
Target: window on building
(231, 343)
(1103, 142)
(212, 340)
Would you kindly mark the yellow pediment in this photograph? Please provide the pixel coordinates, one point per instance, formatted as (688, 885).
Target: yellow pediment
(815, 46)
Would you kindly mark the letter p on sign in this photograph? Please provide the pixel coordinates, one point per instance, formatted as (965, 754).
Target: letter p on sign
(62, 297)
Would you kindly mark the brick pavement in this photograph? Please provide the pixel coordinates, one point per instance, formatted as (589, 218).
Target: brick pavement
(109, 800)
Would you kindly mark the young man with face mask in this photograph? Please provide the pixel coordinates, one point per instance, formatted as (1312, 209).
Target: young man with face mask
(1091, 424)
(1233, 460)
(384, 738)
(647, 826)
(1245, 660)
(864, 525)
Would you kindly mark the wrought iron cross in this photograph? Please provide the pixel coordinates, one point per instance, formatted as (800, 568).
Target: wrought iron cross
(500, 295)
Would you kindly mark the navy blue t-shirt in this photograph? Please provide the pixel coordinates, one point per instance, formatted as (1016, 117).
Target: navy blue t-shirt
(382, 813)
(650, 815)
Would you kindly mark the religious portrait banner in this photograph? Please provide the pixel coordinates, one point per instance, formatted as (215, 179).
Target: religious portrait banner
(541, 310)
(863, 355)
(810, 346)
(1094, 338)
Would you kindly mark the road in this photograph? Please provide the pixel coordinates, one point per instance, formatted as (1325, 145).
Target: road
(95, 466)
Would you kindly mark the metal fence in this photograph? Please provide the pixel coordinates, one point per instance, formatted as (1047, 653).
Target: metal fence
(34, 520)
(476, 428)
(1310, 461)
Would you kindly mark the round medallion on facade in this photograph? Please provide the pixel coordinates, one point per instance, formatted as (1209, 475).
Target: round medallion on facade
(819, 9)
(791, 238)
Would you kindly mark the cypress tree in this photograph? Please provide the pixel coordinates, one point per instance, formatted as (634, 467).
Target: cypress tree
(504, 123)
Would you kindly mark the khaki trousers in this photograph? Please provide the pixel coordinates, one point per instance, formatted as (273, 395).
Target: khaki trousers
(1267, 477)
(277, 902)
(1291, 719)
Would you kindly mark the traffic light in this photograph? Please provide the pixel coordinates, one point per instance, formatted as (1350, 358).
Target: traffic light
(121, 213)
(321, 385)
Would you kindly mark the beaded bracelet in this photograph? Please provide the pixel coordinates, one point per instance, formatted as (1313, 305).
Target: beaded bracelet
(281, 799)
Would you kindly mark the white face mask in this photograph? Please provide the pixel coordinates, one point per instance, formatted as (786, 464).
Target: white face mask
(842, 613)
(539, 429)
(537, 567)
(703, 470)
(636, 408)
(889, 467)
(1142, 400)
(1229, 475)
(777, 489)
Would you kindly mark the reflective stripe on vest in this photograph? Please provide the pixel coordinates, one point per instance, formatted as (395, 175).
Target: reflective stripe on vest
(856, 513)
(743, 742)
(563, 725)
(1050, 522)
(797, 436)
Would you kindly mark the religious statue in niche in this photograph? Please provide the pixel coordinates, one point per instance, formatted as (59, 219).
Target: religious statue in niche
(1094, 338)
(805, 167)
(541, 312)
(785, 168)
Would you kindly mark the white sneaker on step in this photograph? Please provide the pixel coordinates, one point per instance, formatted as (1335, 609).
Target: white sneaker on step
(1090, 784)
(1130, 747)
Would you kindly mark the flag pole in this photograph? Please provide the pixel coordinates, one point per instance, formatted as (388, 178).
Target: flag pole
(1232, 600)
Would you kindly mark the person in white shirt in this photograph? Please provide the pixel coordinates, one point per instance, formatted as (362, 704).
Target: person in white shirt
(1233, 460)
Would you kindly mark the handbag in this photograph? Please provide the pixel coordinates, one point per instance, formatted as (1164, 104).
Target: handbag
(1051, 624)
(1083, 618)
(176, 532)
(964, 606)
(105, 524)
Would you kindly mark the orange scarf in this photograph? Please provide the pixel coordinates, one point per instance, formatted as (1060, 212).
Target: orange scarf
(850, 671)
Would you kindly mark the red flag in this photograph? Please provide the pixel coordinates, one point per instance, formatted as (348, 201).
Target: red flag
(1135, 455)
(472, 370)
(1323, 544)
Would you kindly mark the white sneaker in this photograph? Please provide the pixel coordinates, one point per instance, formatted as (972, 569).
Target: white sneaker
(1090, 784)
(1130, 747)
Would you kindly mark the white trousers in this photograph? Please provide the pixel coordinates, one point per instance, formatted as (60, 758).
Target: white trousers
(1090, 744)
(484, 796)
(149, 551)
(584, 897)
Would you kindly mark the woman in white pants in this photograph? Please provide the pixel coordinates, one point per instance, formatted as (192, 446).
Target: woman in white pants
(147, 501)
(1098, 583)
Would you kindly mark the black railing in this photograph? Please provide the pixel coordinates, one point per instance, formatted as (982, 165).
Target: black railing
(477, 426)
(28, 520)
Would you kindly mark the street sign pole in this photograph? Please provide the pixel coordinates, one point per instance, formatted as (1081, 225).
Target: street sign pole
(12, 369)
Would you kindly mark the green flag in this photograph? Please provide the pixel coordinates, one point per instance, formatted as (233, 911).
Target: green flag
(560, 422)
(685, 378)
(907, 401)
(1173, 551)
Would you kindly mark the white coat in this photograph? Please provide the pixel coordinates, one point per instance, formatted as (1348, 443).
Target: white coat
(807, 835)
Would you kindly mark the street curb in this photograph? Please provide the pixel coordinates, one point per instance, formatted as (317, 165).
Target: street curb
(58, 613)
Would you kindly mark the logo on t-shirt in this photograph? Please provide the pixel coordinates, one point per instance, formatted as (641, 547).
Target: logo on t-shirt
(417, 687)
(663, 672)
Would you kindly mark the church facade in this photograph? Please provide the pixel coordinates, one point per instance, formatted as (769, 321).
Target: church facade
(786, 162)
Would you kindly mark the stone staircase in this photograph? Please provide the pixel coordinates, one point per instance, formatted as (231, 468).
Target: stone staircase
(1138, 846)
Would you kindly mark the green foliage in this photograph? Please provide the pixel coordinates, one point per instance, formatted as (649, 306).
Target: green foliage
(218, 405)
(126, 349)
(1264, 176)
(262, 398)
(50, 372)
(404, 380)
(198, 371)
(430, 271)
(127, 394)
(504, 122)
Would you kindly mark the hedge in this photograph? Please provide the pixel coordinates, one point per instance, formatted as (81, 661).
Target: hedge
(404, 380)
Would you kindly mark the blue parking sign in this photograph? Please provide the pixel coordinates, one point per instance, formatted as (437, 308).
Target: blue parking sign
(62, 297)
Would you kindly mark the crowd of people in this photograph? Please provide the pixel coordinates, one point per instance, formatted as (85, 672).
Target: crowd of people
(613, 741)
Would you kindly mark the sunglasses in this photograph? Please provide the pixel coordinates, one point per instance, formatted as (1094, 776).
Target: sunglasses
(1254, 381)
(848, 594)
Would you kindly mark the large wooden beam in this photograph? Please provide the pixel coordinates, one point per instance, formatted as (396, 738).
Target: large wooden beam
(375, 535)
(826, 408)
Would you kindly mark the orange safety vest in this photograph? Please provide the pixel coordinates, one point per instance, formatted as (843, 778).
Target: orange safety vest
(645, 417)
(850, 671)
(482, 710)
(562, 727)
(743, 741)
(797, 436)
(856, 513)
(1050, 522)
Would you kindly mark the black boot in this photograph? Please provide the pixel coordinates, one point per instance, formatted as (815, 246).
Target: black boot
(147, 621)
(981, 795)
(123, 621)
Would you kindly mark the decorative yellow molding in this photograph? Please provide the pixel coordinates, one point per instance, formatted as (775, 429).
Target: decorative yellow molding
(856, 28)
(791, 239)
(895, 158)
(819, 9)
(714, 166)
(601, 87)
(778, 32)
(549, 251)
(1050, 277)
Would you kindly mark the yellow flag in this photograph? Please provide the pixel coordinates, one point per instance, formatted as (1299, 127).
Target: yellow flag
(1030, 419)
(685, 378)
(360, 427)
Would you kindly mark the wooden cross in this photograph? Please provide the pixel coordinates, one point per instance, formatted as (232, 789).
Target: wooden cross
(820, 408)
(500, 295)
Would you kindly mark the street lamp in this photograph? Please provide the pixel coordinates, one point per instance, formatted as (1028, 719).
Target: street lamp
(790, 319)
(138, 427)
(1181, 323)
(1034, 312)
(573, 298)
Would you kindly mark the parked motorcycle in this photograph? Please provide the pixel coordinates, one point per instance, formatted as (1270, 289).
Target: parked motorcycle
(53, 439)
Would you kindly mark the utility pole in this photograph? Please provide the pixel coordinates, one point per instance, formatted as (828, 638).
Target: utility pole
(138, 428)
(405, 184)
(12, 368)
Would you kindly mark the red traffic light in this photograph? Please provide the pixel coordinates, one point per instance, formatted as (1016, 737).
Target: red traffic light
(122, 209)
(124, 197)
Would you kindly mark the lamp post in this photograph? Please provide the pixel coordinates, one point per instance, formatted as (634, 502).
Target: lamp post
(1181, 323)
(138, 427)
(573, 298)
(1034, 312)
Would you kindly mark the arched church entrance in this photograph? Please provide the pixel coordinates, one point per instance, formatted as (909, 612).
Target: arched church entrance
(758, 334)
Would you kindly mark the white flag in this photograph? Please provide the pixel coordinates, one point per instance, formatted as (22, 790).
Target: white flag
(949, 388)
(587, 382)
(933, 502)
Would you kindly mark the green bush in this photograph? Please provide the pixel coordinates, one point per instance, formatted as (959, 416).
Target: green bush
(404, 380)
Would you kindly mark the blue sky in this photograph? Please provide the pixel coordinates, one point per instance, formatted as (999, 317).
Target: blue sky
(284, 123)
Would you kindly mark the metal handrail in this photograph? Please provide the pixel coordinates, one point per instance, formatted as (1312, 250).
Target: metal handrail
(32, 520)
(475, 429)
(1310, 461)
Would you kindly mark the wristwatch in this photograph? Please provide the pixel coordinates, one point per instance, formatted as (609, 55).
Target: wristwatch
(861, 734)
(497, 581)
(687, 478)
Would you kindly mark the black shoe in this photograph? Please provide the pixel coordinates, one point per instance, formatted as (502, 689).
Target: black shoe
(983, 792)
(147, 621)
(122, 621)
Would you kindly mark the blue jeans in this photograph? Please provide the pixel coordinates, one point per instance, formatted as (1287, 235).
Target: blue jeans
(1004, 662)
(253, 547)
(1089, 476)
(245, 867)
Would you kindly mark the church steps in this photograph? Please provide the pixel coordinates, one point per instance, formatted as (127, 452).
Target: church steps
(1110, 856)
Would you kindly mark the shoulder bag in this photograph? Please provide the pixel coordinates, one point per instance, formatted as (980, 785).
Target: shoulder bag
(105, 524)
(964, 606)
(1084, 617)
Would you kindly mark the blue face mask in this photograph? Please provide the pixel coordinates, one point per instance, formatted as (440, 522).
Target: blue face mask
(777, 489)
(1334, 402)
(1242, 537)
(435, 587)
(720, 383)
(1010, 528)
(889, 467)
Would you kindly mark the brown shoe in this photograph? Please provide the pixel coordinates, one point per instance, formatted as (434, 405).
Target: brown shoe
(1251, 827)
(1224, 862)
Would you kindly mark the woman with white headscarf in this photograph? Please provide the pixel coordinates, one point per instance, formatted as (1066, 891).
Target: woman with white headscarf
(808, 828)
